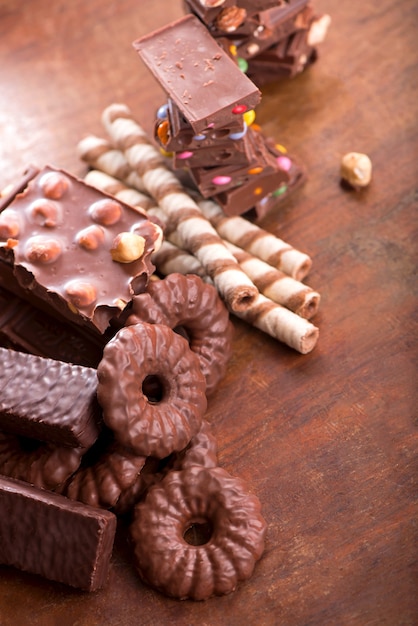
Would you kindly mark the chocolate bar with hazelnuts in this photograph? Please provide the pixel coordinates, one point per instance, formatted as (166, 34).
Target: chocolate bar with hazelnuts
(68, 248)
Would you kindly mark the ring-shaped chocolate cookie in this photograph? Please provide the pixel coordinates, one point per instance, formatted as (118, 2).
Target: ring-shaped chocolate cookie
(187, 302)
(197, 533)
(151, 389)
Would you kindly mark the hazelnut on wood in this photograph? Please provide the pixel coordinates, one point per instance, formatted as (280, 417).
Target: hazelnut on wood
(356, 169)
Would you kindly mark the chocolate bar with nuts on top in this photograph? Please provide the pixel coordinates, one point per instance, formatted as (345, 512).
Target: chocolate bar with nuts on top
(60, 539)
(61, 245)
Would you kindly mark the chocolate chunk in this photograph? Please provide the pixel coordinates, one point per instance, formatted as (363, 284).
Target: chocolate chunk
(48, 400)
(60, 249)
(60, 539)
(219, 179)
(193, 70)
(28, 329)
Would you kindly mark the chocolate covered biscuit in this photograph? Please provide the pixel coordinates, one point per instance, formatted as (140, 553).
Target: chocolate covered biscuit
(48, 400)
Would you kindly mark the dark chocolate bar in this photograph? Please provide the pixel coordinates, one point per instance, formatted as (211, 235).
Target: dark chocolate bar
(193, 70)
(28, 329)
(57, 538)
(48, 400)
(60, 239)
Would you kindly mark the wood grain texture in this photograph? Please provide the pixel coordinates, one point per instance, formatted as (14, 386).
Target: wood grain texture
(328, 441)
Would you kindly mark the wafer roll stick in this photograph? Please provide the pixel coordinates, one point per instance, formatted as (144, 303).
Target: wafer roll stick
(277, 285)
(197, 235)
(257, 241)
(112, 185)
(169, 258)
(282, 324)
(99, 154)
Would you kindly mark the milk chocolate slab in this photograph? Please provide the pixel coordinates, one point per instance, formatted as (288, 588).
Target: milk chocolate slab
(218, 179)
(194, 70)
(48, 400)
(57, 238)
(27, 329)
(60, 539)
(268, 189)
(207, 14)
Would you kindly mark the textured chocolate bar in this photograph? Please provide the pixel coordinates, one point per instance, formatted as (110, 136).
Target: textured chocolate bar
(28, 329)
(48, 400)
(193, 70)
(60, 241)
(54, 537)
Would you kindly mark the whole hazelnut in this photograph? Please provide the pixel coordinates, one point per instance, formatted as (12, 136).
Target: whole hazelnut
(105, 212)
(81, 294)
(127, 247)
(90, 238)
(54, 185)
(9, 224)
(356, 169)
(41, 249)
(44, 212)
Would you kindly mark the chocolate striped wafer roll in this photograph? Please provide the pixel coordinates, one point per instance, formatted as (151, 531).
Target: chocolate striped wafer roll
(122, 191)
(277, 285)
(197, 235)
(282, 324)
(257, 241)
(169, 258)
(99, 154)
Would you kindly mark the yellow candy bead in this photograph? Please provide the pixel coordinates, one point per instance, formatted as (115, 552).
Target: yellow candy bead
(249, 117)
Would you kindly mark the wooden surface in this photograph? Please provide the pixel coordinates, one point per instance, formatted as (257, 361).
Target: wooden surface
(327, 440)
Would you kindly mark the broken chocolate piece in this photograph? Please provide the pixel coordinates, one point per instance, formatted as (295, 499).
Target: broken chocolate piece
(28, 329)
(60, 252)
(193, 70)
(60, 539)
(48, 400)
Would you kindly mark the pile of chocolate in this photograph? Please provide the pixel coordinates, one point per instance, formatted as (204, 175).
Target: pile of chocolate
(80, 446)
(208, 129)
(269, 39)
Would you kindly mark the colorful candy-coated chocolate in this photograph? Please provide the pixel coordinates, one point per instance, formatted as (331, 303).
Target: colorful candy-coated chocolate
(162, 112)
(237, 136)
(242, 64)
(284, 163)
(185, 155)
(221, 180)
(239, 109)
(249, 117)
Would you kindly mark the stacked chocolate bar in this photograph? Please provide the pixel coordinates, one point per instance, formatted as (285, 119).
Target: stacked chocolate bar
(207, 122)
(270, 39)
